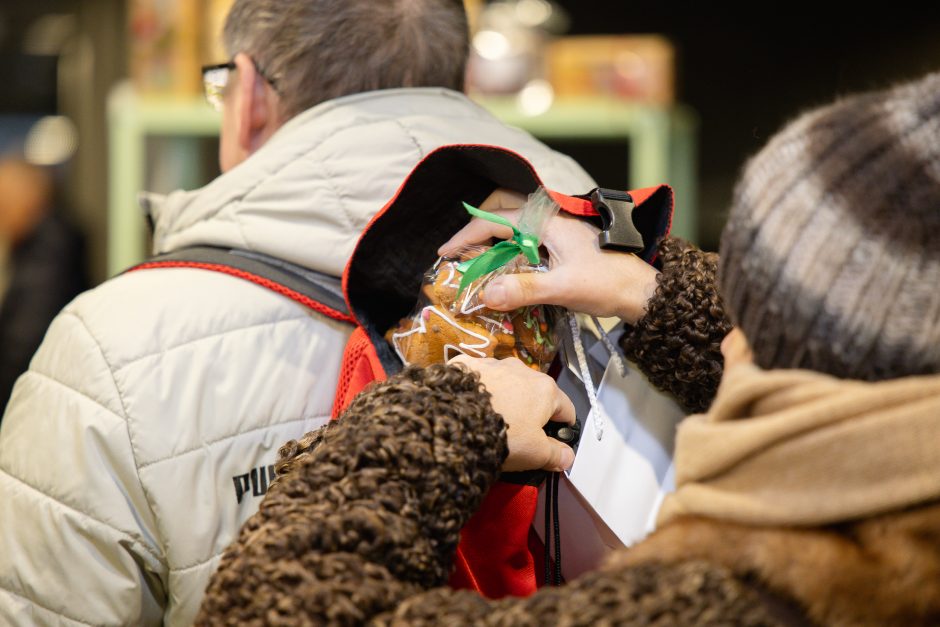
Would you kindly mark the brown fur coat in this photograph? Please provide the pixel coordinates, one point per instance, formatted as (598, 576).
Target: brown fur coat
(363, 525)
(883, 570)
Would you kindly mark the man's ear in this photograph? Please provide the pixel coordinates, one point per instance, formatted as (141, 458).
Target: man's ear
(256, 115)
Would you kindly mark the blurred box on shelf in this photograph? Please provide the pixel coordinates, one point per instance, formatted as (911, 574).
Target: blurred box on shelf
(632, 67)
(170, 40)
(213, 21)
(164, 46)
(473, 8)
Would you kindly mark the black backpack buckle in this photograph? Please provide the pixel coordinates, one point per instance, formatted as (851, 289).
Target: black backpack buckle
(617, 229)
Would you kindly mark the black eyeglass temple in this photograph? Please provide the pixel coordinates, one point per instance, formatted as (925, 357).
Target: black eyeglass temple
(231, 66)
(219, 66)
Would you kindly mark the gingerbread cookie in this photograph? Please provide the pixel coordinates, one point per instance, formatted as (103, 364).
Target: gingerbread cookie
(435, 336)
(534, 339)
(443, 289)
(448, 325)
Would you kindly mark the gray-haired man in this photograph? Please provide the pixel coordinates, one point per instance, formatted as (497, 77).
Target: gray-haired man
(143, 434)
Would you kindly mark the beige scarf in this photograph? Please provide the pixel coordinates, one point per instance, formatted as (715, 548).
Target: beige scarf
(792, 447)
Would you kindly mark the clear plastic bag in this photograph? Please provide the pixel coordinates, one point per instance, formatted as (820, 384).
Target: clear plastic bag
(448, 321)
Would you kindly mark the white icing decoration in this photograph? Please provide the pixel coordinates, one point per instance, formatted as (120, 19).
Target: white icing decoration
(495, 323)
(449, 281)
(462, 348)
(466, 300)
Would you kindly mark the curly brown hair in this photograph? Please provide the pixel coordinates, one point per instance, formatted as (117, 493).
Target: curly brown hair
(677, 343)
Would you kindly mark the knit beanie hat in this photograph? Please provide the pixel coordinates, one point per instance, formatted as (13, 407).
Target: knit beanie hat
(830, 259)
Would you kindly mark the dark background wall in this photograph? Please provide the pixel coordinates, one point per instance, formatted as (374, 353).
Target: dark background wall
(747, 69)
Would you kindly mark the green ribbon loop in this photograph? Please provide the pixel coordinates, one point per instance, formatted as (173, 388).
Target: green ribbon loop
(500, 254)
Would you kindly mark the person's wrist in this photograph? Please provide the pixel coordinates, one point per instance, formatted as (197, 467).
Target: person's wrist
(640, 287)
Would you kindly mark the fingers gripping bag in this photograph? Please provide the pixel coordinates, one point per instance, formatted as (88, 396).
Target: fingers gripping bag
(450, 318)
(394, 274)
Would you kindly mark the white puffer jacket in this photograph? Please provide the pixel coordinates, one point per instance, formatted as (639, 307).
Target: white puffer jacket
(145, 431)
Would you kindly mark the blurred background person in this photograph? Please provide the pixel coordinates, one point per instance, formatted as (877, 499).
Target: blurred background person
(41, 265)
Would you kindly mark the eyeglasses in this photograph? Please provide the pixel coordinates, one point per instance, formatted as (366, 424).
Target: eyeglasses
(215, 78)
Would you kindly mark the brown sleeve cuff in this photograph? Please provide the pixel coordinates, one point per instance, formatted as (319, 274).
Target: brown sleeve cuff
(677, 343)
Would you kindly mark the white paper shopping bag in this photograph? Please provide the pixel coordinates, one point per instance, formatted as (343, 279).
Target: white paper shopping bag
(612, 494)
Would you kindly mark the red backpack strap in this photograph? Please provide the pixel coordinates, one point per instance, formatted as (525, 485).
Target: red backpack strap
(575, 205)
(360, 367)
(320, 292)
(634, 221)
(582, 205)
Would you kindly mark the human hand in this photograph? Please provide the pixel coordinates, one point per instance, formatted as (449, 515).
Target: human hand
(582, 277)
(526, 400)
(735, 349)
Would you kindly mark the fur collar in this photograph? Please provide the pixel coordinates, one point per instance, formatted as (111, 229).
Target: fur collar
(883, 570)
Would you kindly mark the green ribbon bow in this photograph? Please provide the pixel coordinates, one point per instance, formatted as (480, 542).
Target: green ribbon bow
(500, 254)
